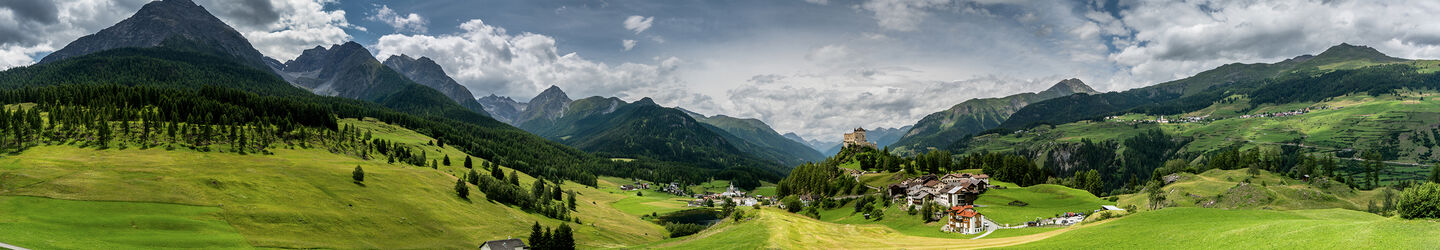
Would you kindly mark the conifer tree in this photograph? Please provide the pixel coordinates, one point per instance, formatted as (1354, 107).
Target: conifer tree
(462, 190)
(446, 161)
(536, 236)
(563, 239)
(514, 178)
(358, 174)
(467, 162)
(571, 200)
(474, 177)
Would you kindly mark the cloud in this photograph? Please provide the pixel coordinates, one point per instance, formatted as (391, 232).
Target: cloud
(32, 28)
(246, 12)
(638, 23)
(820, 2)
(901, 15)
(829, 54)
(488, 59)
(402, 23)
(822, 106)
(629, 44)
(1188, 37)
(302, 24)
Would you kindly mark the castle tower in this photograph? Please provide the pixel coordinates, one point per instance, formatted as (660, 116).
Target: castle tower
(857, 138)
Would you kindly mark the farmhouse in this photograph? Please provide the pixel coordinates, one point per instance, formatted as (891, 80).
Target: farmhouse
(964, 220)
(506, 244)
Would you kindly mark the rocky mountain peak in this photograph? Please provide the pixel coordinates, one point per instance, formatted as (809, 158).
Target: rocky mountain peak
(426, 72)
(1069, 87)
(1346, 51)
(180, 22)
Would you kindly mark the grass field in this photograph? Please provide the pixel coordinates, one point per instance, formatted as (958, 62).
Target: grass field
(1263, 191)
(1409, 121)
(44, 223)
(1201, 228)
(1044, 201)
(640, 205)
(776, 229)
(304, 198)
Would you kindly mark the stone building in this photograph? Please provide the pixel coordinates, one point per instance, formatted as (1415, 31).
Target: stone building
(857, 138)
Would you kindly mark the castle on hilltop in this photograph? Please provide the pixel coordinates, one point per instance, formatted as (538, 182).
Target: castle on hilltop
(857, 138)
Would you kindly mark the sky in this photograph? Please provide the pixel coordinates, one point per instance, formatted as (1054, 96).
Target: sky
(814, 67)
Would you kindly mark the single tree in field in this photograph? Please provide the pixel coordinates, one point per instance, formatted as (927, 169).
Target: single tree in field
(473, 178)
(358, 175)
(571, 199)
(467, 162)
(446, 160)
(462, 190)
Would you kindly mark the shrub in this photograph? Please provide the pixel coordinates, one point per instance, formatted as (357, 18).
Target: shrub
(792, 204)
(682, 229)
(461, 190)
(358, 175)
(1420, 202)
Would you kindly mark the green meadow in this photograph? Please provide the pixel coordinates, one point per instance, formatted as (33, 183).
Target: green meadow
(1202, 228)
(298, 197)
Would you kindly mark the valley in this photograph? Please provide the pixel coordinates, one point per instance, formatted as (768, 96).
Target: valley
(242, 125)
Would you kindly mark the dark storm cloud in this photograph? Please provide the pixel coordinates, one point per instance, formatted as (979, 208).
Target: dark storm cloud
(43, 12)
(247, 12)
(29, 14)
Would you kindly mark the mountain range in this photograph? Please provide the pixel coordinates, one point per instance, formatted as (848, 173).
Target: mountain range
(611, 126)
(940, 129)
(1191, 90)
(426, 72)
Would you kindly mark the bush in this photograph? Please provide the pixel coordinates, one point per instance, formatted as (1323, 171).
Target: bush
(1420, 202)
(682, 229)
(358, 175)
(792, 204)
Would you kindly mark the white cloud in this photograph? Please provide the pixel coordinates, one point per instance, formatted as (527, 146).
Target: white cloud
(901, 15)
(638, 23)
(402, 23)
(822, 106)
(28, 29)
(628, 44)
(1177, 39)
(488, 59)
(820, 2)
(302, 24)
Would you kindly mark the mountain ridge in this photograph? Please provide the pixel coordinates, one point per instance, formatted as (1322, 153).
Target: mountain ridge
(426, 72)
(940, 129)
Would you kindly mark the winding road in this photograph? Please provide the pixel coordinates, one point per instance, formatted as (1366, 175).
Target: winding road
(11, 247)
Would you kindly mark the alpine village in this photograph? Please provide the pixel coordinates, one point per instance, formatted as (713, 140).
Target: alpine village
(171, 129)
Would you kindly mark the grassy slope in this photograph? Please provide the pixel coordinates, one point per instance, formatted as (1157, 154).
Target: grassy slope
(632, 204)
(776, 229)
(305, 198)
(1199, 228)
(1045, 200)
(1265, 191)
(1362, 122)
(43, 223)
